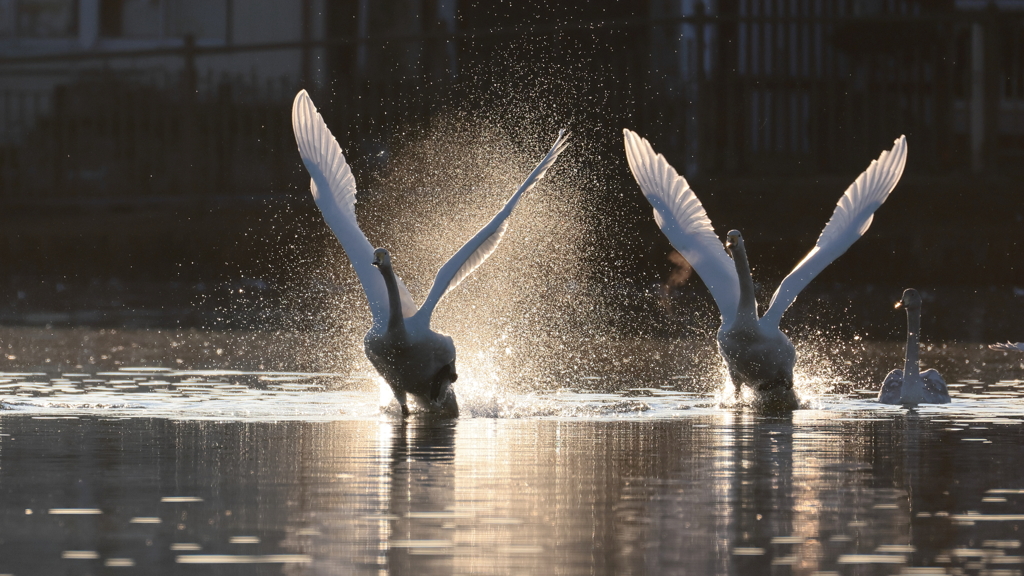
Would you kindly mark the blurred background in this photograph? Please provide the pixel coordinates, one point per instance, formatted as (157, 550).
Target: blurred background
(149, 177)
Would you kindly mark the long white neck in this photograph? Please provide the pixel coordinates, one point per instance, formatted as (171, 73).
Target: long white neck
(396, 321)
(746, 310)
(911, 369)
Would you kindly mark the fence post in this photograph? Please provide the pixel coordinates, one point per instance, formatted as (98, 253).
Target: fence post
(727, 103)
(993, 86)
(189, 71)
(977, 108)
(985, 90)
(700, 111)
(188, 111)
(305, 66)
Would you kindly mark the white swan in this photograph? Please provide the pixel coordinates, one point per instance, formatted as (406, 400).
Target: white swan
(755, 351)
(413, 359)
(910, 386)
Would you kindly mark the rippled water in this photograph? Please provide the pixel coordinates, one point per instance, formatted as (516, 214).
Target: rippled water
(114, 468)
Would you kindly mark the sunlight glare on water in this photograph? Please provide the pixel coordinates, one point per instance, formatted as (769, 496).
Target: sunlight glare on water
(294, 470)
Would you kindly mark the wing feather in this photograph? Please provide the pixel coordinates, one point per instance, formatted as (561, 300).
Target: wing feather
(483, 243)
(850, 220)
(682, 219)
(334, 190)
(1008, 346)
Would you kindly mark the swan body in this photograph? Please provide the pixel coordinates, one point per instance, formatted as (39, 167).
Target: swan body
(910, 386)
(754, 349)
(756, 353)
(413, 359)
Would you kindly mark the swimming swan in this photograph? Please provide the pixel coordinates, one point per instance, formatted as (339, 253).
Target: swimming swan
(413, 359)
(910, 386)
(755, 351)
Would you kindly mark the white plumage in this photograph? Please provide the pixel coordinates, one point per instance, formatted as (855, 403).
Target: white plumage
(1008, 346)
(910, 386)
(411, 357)
(756, 352)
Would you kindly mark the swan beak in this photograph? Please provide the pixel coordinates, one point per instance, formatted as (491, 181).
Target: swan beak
(899, 305)
(376, 262)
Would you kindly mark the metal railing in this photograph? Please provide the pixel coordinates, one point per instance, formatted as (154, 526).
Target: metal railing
(741, 93)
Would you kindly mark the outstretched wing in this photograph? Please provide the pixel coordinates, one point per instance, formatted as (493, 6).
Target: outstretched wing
(481, 245)
(334, 190)
(684, 222)
(1008, 346)
(850, 220)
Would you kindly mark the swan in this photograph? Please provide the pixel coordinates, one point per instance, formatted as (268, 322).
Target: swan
(755, 351)
(413, 359)
(910, 386)
(1008, 346)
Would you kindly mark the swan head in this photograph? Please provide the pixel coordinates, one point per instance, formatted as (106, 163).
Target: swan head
(381, 257)
(911, 299)
(733, 240)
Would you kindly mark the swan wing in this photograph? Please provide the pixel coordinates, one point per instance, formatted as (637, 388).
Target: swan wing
(334, 190)
(684, 222)
(483, 243)
(1008, 346)
(850, 220)
(935, 389)
(891, 387)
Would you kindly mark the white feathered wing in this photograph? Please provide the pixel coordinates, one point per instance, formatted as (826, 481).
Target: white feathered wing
(334, 190)
(850, 220)
(684, 222)
(484, 242)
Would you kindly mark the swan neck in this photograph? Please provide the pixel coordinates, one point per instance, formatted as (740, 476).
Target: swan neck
(747, 308)
(912, 368)
(396, 321)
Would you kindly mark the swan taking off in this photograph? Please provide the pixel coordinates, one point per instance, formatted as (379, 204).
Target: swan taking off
(413, 359)
(755, 351)
(910, 386)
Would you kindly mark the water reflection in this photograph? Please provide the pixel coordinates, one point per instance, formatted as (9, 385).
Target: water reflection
(417, 495)
(728, 493)
(175, 471)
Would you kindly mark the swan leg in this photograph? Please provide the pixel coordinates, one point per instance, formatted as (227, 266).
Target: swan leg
(400, 396)
(776, 401)
(737, 384)
(779, 384)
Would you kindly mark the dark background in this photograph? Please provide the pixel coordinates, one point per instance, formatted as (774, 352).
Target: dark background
(182, 202)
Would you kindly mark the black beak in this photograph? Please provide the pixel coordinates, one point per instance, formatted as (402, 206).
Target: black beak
(375, 263)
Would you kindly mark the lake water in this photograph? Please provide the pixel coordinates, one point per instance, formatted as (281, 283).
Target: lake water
(116, 458)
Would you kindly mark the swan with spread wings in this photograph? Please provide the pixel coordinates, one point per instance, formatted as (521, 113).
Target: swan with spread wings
(413, 359)
(755, 350)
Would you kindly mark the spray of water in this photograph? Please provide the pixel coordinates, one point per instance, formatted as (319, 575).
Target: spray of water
(557, 306)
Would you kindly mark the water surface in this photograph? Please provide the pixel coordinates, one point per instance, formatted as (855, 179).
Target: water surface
(153, 469)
